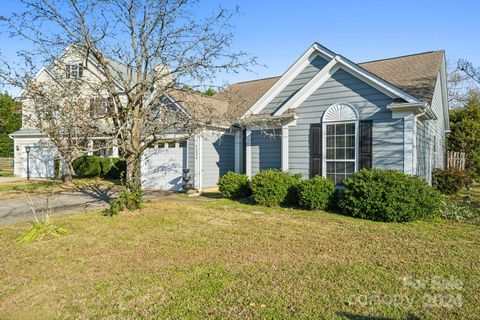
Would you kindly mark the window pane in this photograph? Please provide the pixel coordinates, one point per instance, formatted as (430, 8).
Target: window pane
(330, 141)
(350, 167)
(340, 129)
(330, 153)
(171, 144)
(331, 176)
(340, 167)
(330, 130)
(350, 153)
(330, 167)
(350, 128)
(340, 153)
(339, 178)
(182, 144)
(350, 141)
(340, 141)
(161, 145)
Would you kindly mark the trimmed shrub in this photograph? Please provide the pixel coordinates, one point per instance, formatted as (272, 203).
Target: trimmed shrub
(234, 185)
(316, 193)
(388, 195)
(117, 169)
(451, 180)
(273, 187)
(95, 166)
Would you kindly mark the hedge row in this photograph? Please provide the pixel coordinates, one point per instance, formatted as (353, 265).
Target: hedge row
(382, 195)
(96, 166)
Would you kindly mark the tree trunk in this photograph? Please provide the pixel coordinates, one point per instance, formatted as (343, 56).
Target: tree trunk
(68, 173)
(134, 170)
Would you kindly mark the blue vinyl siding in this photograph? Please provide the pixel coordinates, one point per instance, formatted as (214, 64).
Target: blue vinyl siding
(218, 157)
(266, 149)
(370, 103)
(303, 77)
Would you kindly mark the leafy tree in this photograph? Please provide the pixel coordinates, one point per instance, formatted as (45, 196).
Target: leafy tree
(465, 133)
(210, 92)
(10, 121)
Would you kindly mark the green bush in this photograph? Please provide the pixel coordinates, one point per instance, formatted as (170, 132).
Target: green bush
(316, 193)
(95, 166)
(234, 185)
(388, 195)
(452, 210)
(451, 180)
(273, 187)
(117, 169)
(130, 198)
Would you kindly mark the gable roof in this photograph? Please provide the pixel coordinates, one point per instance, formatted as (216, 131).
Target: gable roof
(415, 74)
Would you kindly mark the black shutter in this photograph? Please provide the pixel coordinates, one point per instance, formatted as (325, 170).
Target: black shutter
(365, 144)
(67, 71)
(316, 149)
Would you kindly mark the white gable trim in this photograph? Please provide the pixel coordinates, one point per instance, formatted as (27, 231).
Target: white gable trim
(307, 90)
(376, 81)
(287, 77)
(327, 72)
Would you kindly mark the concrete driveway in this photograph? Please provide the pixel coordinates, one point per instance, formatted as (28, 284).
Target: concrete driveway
(62, 203)
(65, 202)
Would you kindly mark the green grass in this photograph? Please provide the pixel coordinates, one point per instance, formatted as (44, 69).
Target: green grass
(184, 258)
(32, 185)
(6, 173)
(57, 185)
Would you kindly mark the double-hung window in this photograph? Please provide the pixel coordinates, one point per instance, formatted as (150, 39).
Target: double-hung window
(340, 156)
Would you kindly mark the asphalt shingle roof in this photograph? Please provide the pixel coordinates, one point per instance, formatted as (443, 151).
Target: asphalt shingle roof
(415, 74)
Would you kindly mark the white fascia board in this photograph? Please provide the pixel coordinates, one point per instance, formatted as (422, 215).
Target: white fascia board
(443, 79)
(312, 85)
(286, 78)
(375, 81)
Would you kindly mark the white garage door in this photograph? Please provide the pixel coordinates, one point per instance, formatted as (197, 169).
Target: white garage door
(40, 163)
(162, 168)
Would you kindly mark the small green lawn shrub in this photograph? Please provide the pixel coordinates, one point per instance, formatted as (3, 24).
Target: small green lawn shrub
(451, 180)
(388, 195)
(234, 185)
(273, 187)
(96, 166)
(316, 193)
(452, 210)
(130, 198)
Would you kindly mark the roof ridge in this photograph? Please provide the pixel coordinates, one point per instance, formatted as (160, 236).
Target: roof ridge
(402, 56)
(256, 80)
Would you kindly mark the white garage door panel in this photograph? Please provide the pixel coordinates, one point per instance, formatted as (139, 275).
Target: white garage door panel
(162, 168)
(41, 162)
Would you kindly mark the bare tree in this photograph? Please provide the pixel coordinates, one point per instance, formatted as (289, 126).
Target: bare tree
(141, 52)
(463, 82)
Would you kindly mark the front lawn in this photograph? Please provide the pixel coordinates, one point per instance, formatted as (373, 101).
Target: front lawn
(18, 187)
(212, 258)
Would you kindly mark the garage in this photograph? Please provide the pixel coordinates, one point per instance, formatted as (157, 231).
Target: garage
(40, 162)
(162, 166)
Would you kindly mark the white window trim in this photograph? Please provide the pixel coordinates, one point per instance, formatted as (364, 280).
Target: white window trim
(325, 122)
(324, 145)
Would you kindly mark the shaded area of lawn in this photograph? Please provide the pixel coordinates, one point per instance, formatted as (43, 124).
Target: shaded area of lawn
(6, 173)
(18, 187)
(212, 258)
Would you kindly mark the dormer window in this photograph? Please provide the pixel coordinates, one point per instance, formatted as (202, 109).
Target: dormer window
(74, 70)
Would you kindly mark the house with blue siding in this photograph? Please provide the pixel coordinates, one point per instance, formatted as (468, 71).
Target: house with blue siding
(329, 116)
(326, 115)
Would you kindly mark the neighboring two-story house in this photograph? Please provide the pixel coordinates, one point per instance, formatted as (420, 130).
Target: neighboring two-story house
(326, 115)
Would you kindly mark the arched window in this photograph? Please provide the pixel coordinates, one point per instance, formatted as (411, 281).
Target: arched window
(340, 142)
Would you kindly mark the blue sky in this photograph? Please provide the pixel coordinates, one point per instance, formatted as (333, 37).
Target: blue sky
(278, 32)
